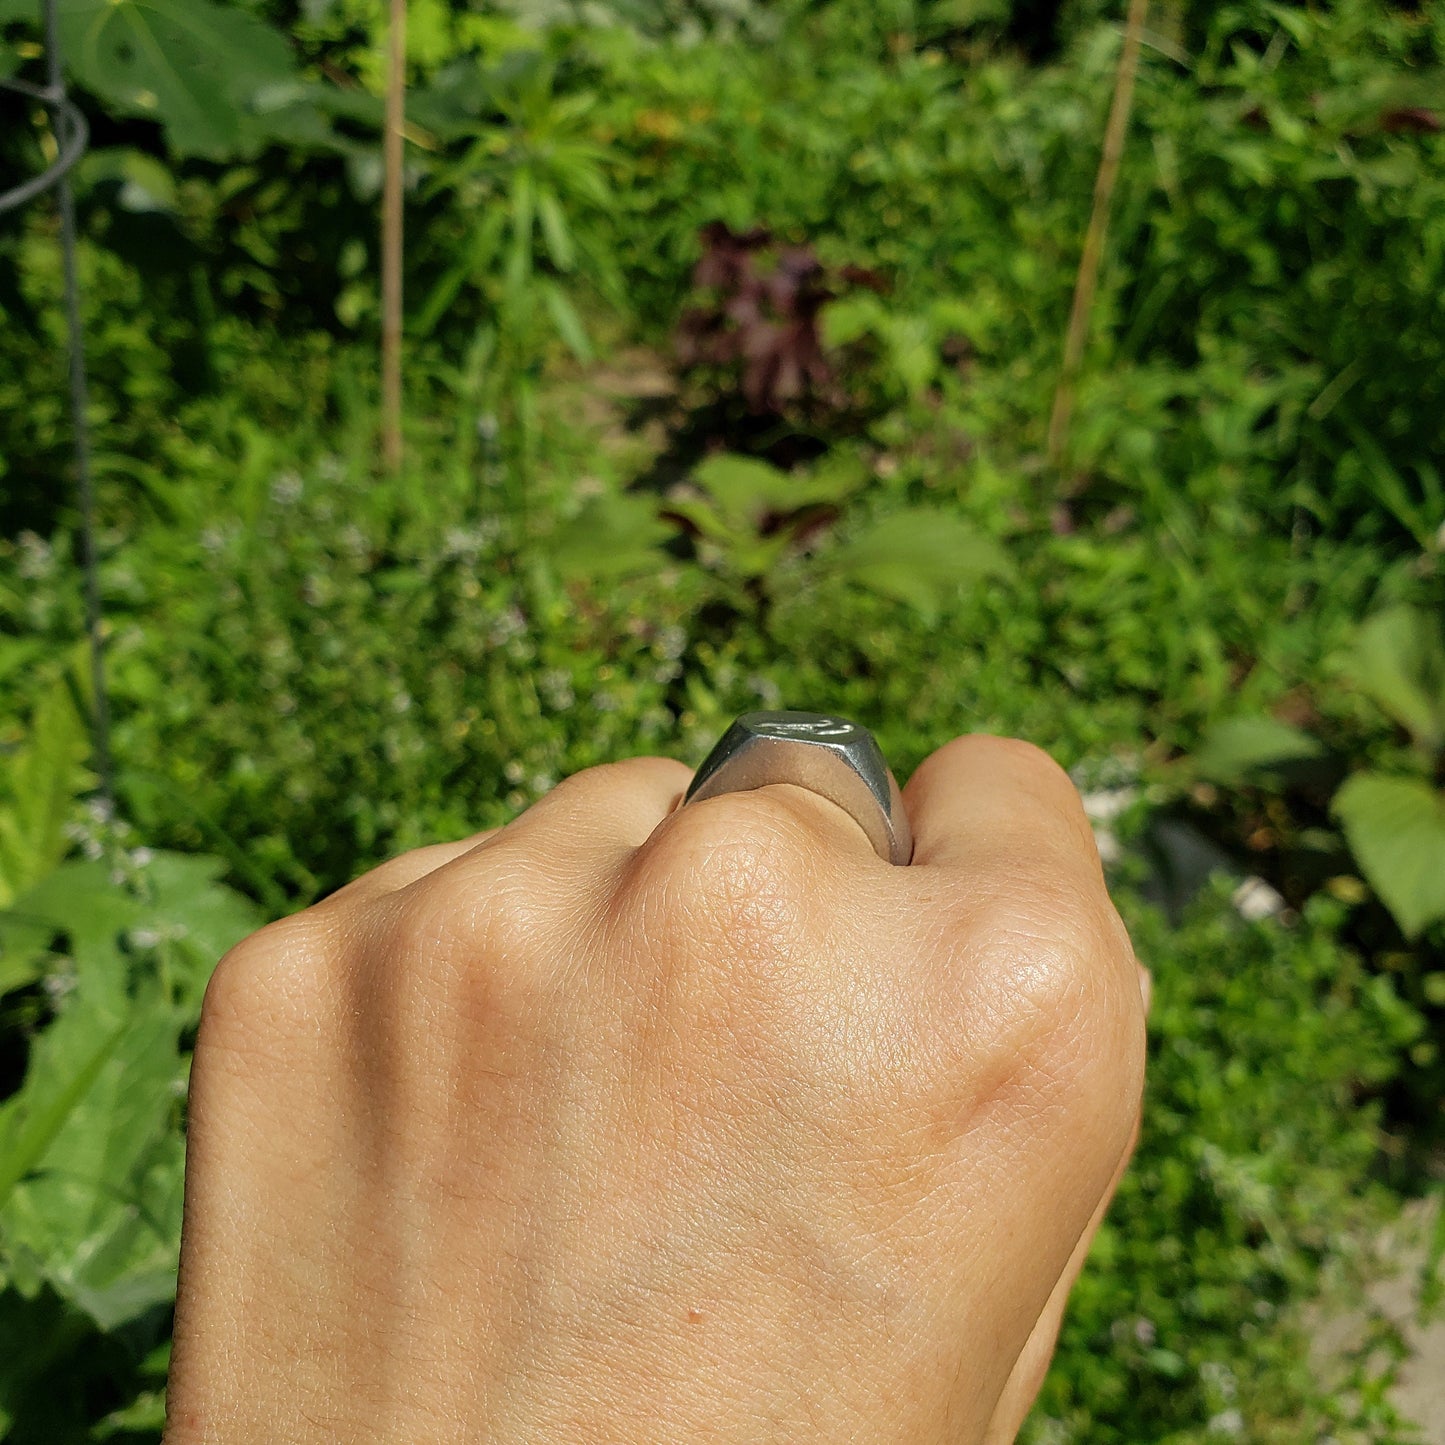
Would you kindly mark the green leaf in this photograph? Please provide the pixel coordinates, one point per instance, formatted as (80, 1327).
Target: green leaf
(745, 490)
(146, 1413)
(614, 536)
(192, 65)
(196, 917)
(555, 233)
(1241, 747)
(1398, 661)
(23, 946)
(920, 556)
(41, 782)
(566, 320)
(93, 1159)
(1396, 829)
(80, 900)
(31, 1121)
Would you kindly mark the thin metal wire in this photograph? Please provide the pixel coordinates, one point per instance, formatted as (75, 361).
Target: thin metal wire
(72, 135)
(67, 120)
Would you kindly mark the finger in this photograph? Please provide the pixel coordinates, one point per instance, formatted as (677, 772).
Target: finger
(613, 806)
(1027, 1377)
(588, 825)
(400, 871)
(983, 799)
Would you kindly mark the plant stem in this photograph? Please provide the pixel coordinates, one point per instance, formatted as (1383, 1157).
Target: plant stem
(391, 238)
(1087, 280)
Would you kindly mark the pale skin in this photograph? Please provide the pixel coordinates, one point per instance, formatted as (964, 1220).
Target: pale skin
(631, 1123)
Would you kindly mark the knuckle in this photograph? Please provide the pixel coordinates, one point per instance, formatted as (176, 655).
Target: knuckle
(1071, 1023)
(487, 917)
(742, 862)
(269, 980)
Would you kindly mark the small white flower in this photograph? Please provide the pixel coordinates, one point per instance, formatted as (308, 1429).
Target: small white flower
(1106, 804)
(37, 559)
(1254, 900)
(286, 489)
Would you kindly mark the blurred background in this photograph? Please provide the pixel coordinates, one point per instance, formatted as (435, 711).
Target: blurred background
(1069, 370)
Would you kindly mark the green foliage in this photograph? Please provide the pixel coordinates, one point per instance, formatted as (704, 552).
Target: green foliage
(105, 958)
(1260, 1038)
(1394, 823)
(315, 666)
(1241, 749)
(37, 789)
(1398, 662)
(1396, 829)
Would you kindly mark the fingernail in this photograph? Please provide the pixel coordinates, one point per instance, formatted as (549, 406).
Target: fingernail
(1146, 987)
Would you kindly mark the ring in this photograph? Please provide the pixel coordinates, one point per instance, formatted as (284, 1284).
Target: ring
(828, 755)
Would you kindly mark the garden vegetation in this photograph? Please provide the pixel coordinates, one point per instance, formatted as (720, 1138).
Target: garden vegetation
(732, 336)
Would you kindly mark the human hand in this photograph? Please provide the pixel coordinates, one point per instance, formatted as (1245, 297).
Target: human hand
(631, 1124)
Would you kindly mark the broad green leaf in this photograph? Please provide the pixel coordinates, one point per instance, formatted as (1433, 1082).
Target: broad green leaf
(1241, 747)
(94, 1161)
(80, 900)
(852, 317)
(55, 1084)
(920, 556)
(1398, 661)
(615, 536)
(192, 65)
(744, 489)
(1396, 829)
(42, 779)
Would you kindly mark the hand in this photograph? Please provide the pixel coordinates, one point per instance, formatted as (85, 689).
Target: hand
(632, 1124)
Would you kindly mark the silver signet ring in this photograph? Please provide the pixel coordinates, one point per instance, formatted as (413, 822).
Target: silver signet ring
(827, 755)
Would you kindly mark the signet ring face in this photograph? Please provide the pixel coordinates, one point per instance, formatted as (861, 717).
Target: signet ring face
(828, 755)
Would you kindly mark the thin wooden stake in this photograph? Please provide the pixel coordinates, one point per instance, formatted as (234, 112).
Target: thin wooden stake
(1087, 280)
(391, 239)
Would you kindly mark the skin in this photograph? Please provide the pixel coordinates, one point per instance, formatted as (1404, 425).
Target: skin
(631, 1124)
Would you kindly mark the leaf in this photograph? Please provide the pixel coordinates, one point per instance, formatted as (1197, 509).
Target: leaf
(1395, 827)
(744, 489)
(1240, 747)
(566, 320)
(79, 900)
(555, 233)
(192, 65)
(145, 1414)
(144, 185)
(920, 556)
(93, 1159)
(23, 945)
(614, 536)
(199, 916)
(1398, 661)
(31, 1121)
(43, 778)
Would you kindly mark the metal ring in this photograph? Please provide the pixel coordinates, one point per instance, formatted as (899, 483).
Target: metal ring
(830, 756)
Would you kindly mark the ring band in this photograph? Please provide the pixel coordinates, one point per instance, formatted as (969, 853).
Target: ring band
(830, 756)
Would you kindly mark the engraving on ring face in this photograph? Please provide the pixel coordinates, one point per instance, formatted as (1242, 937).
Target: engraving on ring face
(822, 727)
